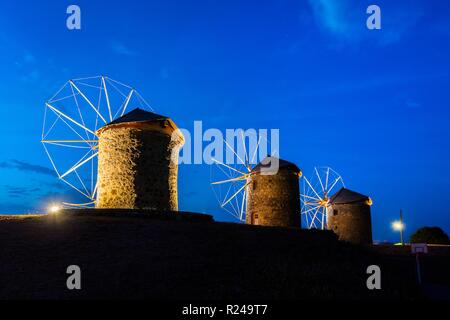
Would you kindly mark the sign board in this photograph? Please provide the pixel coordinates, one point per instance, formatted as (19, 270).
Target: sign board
(419, 248)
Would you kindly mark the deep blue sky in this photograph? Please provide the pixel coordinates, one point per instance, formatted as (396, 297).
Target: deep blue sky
(373, 105)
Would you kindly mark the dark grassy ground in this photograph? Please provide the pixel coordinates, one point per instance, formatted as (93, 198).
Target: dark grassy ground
(133, 257)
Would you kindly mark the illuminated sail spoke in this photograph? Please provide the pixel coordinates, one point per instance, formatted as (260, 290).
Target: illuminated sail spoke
(316, 193)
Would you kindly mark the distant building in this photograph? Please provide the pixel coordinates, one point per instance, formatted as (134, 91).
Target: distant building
(138, 162)
(273, 197)
(348, 215)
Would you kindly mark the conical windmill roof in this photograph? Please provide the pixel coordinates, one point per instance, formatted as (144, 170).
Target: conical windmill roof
(138, 115)
(347, 196)
(265, 165)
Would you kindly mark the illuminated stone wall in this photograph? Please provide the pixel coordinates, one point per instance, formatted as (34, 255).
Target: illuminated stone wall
(351, 222)
(135, 169)
(274, 200)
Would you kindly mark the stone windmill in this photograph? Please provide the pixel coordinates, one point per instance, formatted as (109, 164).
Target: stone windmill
(138, 162)
(264, 194)
(273, 197)
(348, 215)
(112, 157)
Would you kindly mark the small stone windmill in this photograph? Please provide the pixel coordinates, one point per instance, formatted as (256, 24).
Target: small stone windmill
(273, 197)
(348, 215)
(267, 194)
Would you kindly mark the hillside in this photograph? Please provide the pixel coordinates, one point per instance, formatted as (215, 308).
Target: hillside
(133, 257)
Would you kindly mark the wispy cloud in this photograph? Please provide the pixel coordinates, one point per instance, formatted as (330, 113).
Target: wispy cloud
(121, 49)
(412, 104)
(15, 208)
(371, 83)
(18, 192)
(164, 73)
(26, 166)
(332, 15)
(27, 67)
(28, 57)
(346, 20)
(36, 196)
(31, 76)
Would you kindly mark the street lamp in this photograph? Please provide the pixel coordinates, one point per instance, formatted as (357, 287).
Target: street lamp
(54, 208)
(398, 225)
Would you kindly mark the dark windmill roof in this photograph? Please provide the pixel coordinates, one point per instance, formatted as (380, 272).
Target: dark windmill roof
(347, 196)
(138, 115)
(282, 164)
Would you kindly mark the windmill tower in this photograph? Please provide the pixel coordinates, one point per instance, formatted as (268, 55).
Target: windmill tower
(273, 194)
(267, 194)
(138, 162)
(348, 215)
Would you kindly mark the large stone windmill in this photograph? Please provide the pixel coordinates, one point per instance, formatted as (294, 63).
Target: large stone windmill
(138, 162)
(114, 158)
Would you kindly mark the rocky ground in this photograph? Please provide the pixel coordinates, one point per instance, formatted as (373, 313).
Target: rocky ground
(125, 257)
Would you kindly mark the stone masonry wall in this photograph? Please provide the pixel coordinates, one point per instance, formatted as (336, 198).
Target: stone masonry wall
(135, 169)
(274, 200)
(351, 222)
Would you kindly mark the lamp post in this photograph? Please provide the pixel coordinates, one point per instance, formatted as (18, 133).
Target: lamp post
(402, 227)
(399, 226)
(54, 208)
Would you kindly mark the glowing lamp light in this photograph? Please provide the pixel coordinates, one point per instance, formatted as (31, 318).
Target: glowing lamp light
(398, 226)
(54, 208)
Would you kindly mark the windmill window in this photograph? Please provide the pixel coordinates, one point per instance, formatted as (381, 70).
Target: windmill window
(254, 185)
(335, 212)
